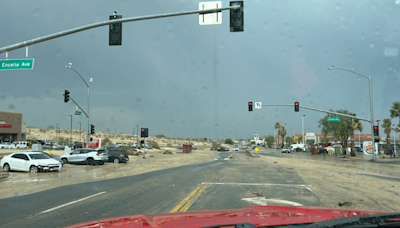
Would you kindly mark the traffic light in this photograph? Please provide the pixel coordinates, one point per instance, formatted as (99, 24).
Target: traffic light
(142, 141)
(296, 106)
(236, 17)
(91, 129)
(91, 139)
(66, 96)
(376, 130)
(144, 132)
(115, 31)
(250, 106)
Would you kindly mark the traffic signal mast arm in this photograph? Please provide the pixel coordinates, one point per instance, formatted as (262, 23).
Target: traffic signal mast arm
(104, 23)
(77, 105)
(319, 110)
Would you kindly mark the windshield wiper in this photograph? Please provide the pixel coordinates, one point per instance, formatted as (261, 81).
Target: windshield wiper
(360, 221)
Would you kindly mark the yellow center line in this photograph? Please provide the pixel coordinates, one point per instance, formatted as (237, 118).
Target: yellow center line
(188, 199)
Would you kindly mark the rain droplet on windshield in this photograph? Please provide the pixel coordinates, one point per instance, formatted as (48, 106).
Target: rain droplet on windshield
(299, 48)
(265, 25)
(170, 34)
(338, 6)
(221, 44)
(362, 37)
(286, 25)
(372, 45)
(376, 32)
(36, 12)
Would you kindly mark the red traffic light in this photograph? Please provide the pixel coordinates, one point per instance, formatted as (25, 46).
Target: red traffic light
(249, 103)
(376, 127)
(296, 103)
(142, 129)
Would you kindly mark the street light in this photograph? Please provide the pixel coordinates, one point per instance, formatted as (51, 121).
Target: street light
(302, 123)
(371, 106)
(88, 100)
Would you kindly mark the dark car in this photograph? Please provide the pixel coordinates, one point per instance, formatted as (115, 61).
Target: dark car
(223, 149)
(213, 148)
(78, 145)
(253, 147)
(117, 156)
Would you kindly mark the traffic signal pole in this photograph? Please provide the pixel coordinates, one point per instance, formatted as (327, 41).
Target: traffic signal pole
(320, 110)
(27, 43)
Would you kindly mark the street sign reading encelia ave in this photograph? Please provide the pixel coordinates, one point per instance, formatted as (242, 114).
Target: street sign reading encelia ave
(16, 64)
(78, 113)
(333, 118)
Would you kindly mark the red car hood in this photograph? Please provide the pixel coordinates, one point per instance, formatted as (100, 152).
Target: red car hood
(256, 215)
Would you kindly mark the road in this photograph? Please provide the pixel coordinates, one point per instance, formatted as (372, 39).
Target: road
(221, 184)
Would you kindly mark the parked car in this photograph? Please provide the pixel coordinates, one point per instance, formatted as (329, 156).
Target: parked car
(21, 144)
(58, 147)
(293, 147)
(223, 149)
(214, 148)
(117, 156)
(87, 156)
(7, 145)
(78, 145)
(253, 147)
(235, 148)
(285, 150)
(29, 161)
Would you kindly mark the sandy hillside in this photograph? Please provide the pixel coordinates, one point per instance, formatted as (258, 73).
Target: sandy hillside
(50, 134)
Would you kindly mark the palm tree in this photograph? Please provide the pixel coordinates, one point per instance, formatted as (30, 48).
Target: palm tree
(283, 133)
(278, 127)
(355, 124)
(387, 125)
(395, 112)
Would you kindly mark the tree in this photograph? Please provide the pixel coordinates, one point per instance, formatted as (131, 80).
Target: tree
(289, 140)
(355, 124)
(160, 136)
(269, 140)
(105, 141)
(278, 127)
(387, 125)
(339, 129)
(283, 134)
(229, 141)
(395, 112)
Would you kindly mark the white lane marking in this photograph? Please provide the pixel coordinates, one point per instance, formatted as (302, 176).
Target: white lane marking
(64, 205)
(309, 189)
(294, 185)
(263, 201)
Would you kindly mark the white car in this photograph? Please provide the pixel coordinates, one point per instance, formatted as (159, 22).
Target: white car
(29, 161)
(293, 147)
(21, 145)
(87, 156)
(7, 145)
(235, 148)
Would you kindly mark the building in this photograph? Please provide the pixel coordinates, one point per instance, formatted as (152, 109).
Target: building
(11, 126)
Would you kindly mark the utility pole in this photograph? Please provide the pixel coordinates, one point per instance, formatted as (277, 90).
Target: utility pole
(80, 131)
(56, 133)
(70, 135)
(137, 134)
(302, 123)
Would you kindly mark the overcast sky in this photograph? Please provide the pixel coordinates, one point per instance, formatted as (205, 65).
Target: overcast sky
(182, 79)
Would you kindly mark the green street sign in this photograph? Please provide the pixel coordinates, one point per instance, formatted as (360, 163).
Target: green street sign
(78, 113)
(333, 118)
(16, 64)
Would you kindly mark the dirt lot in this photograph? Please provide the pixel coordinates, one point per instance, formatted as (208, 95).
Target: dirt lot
(366, 185)
(23, 183)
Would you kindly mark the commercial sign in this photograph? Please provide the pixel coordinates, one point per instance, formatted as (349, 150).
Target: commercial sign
(367, 147)
(95, 143)
(5, 124)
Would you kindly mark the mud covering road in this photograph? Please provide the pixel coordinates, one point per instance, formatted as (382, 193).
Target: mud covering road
(23, 183)
(364, 184)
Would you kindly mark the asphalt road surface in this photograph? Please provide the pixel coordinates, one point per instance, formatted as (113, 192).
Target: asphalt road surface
(220, 184)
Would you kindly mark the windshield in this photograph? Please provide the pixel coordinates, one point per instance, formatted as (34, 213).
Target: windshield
(259, 103)
(39, 156)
